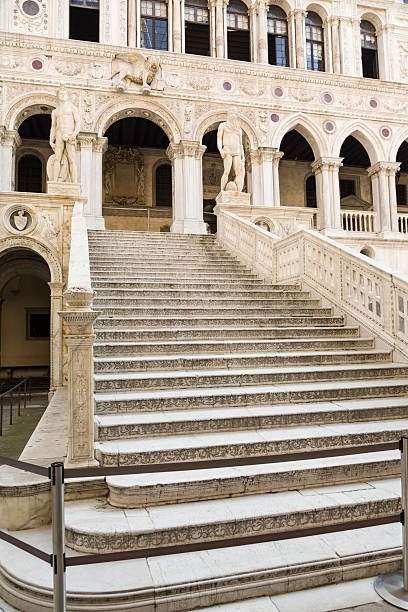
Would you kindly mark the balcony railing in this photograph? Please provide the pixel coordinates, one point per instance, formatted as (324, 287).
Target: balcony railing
(357, 221)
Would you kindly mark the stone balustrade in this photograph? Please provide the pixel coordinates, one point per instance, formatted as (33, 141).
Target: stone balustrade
(371, 293)
(357, 221)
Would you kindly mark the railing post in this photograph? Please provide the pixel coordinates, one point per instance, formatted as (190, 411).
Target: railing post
(393, 587)
(1, 415)
(11, 409)
(58, 535)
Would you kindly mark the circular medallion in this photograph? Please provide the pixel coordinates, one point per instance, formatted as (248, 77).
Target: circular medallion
(329, 126)
(385, 132)
(37, 64)
(373, 103)
(328, 98)
(278, 91)
(227, 86)
(20, 220)
(275, 118)
(30, 8)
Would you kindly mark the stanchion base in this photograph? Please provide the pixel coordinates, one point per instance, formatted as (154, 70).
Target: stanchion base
(391, 588)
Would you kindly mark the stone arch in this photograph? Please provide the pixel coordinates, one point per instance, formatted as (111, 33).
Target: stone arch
(372, 18)
(366, 137)
(285, 5)
(210, 121)
(368, 251)
(308, 129)
(39, 103)
(32, 244)
(319, 10)
(397, 141)
(146, 110)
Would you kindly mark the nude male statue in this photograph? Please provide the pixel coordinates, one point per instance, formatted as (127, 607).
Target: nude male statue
(229, 142)
(64, 130)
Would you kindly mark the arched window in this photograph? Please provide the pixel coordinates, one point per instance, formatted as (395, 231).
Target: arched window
(238, 36)
(163, 185)
(197, 27)
(369, 55)
(84, 20)
(154, 24)
(314, 42)
(30, 174)
(311, 199)
(278, 46)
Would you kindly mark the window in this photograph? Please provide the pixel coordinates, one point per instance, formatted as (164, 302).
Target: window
(154, 24)
(238, 37)
(278, 47)
(84, 20)
(347, 187)
(163, 185)
(37, 324)
(197, 28)
(369, 57)
(311, 199)
(30, 174)
(314, 42)
(401, 195)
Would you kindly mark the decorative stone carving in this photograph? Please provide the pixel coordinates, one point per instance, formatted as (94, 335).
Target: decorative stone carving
(65, 125)
(115, 192)
(230, 146)
(20, 219)
(136, 68)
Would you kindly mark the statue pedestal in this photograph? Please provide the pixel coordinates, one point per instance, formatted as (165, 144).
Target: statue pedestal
(64, 189)
(233, 198)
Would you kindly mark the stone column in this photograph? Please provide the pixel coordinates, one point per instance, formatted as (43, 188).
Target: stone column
(277, 156)
(326, 170)
(384, 197)
(269, 174)
(56, 354)
(186, 158)
(132, 23)
(334, 26)
(218, 5)
(79, 337)
(91, 154)
(176, 26)
(9, 141)
(261, 9)
(299, 17)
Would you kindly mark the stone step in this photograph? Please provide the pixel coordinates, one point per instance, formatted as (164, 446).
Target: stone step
(174, 267)
(249, 443)
(187, 284)
(243, 360)
(221, 397)
(224, 333)
(195, 379)
(138, 491)
(184, 276)
(231, 347)
(95, 527)
(181, 322)
(204, 302)
(211, 311)
(162, 250)
(198, 293)
(149, 236)
(169, 258)
(186, 422)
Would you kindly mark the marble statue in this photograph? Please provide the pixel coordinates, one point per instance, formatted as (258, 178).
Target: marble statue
(65, 123)
(229, 142)
(135, 68)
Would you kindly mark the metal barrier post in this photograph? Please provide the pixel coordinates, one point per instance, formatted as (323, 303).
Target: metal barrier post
(58, 535)
(393, 587)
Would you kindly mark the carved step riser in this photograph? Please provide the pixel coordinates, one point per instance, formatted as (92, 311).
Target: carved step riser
(101, 301)
(174, 268)
(238, 362)
(211, 312)
(102, 350)
(220, 488)
(117, 541)
(289, 321)
(188, 285)
(225, 334)
(122, 276)
(196, 294)
(238, 400)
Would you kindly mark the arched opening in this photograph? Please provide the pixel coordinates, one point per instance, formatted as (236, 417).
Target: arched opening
(369, 52)
(314, 42)
(367, 251)
(136, 148)
(238, 33)
(278, 43)
(355, 184)
(25, 315)
(212, 172)
(197, 27)
(296, 185)
(84, 20)
(401, 180)
(33, 153)
(154, 24)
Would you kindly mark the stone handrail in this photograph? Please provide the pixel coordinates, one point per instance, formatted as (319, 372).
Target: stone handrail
(368, 292)
(79, 273)
(357, 221)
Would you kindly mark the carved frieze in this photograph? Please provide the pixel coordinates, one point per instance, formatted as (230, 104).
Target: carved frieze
(123, 176)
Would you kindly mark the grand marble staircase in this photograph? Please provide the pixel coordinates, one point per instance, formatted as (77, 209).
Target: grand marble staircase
(196, 358)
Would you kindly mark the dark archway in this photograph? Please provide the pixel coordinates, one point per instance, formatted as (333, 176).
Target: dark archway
(297, 184)
(355, 184)
(33, 153)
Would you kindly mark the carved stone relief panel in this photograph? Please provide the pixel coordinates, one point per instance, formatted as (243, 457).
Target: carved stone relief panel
(123, 177)
(31, 16)
(212, 173)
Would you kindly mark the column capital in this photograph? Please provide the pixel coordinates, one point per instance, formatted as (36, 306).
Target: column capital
(57, 289)
(86, 140)
(261, 5)
(9, 138)
(186, 148)
(100, 144)
(214, 3)
(298, 13)
(383, 167)
(79, 323)
(326, 163)
(333, 21)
